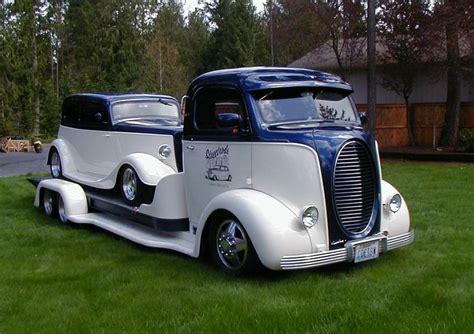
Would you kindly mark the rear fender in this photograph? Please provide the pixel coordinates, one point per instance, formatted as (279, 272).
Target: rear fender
(65, 153)
(273, 228)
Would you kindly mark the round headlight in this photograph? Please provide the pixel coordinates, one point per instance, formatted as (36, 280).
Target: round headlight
(164, 151)
(310, 216)
(395, 203)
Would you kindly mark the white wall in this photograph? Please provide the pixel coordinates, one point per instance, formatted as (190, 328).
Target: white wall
(429, 88)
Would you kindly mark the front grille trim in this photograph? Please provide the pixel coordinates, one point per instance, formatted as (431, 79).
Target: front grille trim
(354, 189)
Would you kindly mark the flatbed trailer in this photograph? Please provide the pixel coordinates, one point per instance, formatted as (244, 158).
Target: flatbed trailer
(73, 203)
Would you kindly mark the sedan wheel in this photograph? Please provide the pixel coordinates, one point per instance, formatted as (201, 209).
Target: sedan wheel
(55, 166)
(132, 188)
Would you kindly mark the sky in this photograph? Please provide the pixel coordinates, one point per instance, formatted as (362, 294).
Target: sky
(189, 5)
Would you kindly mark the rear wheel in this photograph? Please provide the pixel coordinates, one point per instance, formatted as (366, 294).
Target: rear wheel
(231, 248)
(55, 164)
(131, 186)
(49, 202)
(62, 211)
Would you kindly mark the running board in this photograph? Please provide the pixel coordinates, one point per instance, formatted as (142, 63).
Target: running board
(137, 233)
(118, 208)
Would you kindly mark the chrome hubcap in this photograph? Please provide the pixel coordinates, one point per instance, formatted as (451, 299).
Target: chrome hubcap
(48, 204)
(61, 210)
(55, 165)
(129, 184)
(232, 244)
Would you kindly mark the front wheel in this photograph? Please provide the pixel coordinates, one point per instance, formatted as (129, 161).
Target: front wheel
(231, 248)
(131, 186)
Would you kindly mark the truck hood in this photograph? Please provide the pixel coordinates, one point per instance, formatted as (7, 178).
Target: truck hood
(327, 141)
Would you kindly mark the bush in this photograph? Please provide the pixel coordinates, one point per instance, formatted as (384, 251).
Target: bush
(466, 139)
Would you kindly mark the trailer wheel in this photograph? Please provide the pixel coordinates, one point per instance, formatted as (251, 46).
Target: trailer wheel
(55, 164)
(49, 202)
(131, 186)
(62, 211)
(231, 248)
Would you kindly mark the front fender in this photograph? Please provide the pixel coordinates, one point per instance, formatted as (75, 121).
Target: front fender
(273, 228)
(394, 223)
(150, 170)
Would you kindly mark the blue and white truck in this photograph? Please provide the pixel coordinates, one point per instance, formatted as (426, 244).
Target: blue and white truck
(270, 166)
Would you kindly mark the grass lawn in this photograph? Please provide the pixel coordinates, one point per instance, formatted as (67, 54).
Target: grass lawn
(77, 279)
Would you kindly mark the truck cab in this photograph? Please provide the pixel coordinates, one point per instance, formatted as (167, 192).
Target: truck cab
(278, 170)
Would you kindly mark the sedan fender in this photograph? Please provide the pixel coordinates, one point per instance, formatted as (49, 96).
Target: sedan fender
(150, 170)
(66, 152)
(273, 228)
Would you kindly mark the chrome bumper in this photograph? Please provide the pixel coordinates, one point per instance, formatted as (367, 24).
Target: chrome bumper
(344, 254)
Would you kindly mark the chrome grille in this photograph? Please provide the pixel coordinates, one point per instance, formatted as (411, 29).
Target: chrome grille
(354, 187)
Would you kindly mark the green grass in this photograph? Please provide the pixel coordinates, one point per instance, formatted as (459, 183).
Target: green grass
(76, 279)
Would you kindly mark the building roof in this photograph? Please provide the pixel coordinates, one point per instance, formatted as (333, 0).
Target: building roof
(324, 58)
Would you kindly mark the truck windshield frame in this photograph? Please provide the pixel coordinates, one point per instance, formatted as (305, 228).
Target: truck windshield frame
(145, 109)
(302, 105)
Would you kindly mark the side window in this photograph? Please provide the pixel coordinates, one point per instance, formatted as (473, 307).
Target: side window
(71, 113)
(94, 116)
(210, 102)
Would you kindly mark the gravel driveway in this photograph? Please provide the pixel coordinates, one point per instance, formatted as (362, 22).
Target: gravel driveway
(19, 163)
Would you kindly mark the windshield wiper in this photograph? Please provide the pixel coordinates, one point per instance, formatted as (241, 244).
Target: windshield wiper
(294, 123)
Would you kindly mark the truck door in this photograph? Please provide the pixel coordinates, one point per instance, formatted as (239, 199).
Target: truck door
(216, 151)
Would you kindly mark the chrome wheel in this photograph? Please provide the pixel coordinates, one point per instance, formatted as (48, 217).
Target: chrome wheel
(129, 184)
(232, 244)
(55, 165)
(62, 211)
(48, 202)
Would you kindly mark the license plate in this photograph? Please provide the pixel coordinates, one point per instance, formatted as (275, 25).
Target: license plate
(366, 251)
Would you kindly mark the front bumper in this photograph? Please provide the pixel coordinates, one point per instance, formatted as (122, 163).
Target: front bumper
(344, 254)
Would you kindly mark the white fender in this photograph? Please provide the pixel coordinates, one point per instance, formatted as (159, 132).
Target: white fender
(149, 169)
(394, 223)
(272, 227)
(74, 198)
(66, 155)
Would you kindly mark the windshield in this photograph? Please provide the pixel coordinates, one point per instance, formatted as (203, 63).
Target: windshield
(151, 109)
(305, 105)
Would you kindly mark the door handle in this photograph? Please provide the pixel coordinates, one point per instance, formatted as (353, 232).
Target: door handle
(107, 136)
(190, 147)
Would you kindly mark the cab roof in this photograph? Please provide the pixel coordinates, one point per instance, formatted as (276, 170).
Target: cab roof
(257, 78)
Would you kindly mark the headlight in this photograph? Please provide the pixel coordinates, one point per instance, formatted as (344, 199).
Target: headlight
(395, 203)
(309, 216)
(164, 151)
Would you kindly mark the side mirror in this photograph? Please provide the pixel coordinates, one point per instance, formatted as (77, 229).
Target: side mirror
(228, 120)
(364, 120)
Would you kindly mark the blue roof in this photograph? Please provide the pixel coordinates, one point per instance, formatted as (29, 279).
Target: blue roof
(114, 97)
(256, 78)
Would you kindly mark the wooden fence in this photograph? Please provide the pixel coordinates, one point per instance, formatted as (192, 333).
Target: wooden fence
(392, 131)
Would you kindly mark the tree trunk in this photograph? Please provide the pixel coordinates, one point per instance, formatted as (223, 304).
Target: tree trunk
(36, 97)
(371, 66)
(450, 132)
(410, 121)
